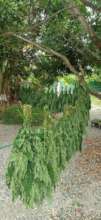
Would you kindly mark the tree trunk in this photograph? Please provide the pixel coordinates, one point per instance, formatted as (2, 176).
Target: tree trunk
(1, 82)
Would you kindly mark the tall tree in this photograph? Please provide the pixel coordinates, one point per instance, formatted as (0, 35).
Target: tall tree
(66, 32)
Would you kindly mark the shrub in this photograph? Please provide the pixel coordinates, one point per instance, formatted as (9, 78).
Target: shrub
(94, 82)
(13, 115)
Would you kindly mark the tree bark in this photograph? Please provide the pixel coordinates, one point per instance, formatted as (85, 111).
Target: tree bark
(47, 50)
(96, 94)
(53, 53)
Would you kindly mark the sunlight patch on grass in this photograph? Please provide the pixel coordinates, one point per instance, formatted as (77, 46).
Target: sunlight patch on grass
(95, 101)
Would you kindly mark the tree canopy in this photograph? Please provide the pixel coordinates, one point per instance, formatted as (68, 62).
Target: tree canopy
(49, 37)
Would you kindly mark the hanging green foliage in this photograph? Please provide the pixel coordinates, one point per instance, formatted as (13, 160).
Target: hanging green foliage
(27, 174)
(63, 92)
(38, 155)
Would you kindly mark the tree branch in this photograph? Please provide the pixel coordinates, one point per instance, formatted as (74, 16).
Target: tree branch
(45, 49)
(96, 94)
(90, 4)
(75, 12)
(81, 49)
(91, 53)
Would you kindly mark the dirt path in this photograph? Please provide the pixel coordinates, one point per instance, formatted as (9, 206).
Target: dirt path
(7, 133)
(78, 194)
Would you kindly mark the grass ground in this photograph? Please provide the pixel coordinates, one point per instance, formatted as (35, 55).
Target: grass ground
(95, 101)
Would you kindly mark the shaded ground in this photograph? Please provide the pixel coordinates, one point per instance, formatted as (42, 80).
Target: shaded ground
(78, 194)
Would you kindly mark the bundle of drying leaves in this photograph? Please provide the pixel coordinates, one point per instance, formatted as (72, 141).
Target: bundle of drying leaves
(38, 155)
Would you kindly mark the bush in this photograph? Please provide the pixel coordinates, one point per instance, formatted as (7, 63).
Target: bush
(30, 95)
(94, 82)
(95, 85)
(13, 115)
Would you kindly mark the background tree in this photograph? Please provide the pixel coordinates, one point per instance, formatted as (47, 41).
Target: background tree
(57, 37)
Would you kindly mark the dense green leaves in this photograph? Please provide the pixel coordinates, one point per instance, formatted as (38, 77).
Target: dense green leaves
(38, 155)
(53, 24)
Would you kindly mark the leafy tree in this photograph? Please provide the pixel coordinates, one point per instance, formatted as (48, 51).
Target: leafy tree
(58, 36)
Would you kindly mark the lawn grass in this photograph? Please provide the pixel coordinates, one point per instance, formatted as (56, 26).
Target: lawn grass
(95, 101)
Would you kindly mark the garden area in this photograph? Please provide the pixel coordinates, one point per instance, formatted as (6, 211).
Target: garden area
(50, 110)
